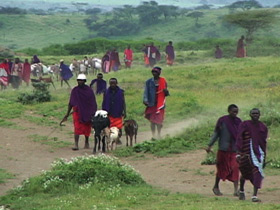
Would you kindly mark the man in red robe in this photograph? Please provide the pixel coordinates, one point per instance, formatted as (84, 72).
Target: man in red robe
(154, 100)
(26, 71)
(241, 52)
(226, 132)
(83, 103)
(128, 57)
(4, 74)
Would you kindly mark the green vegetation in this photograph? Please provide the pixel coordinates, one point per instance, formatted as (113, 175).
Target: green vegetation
(39, 31)
(39, 95)
(5, 175)
(54, 142)
(102, 182)
(200, 89)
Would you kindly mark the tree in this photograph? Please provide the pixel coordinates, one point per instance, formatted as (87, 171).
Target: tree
(245, 5)
(196, 15)
(252, 21)
(168, 11)
(148, 12)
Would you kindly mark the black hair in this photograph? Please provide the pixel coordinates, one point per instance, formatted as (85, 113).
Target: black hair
(114, 79)
(255, 109)
(231, 106)
(100, 74)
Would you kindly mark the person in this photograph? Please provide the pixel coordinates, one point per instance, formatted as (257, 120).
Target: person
(115, 60)
(65, 73)
(218, 52)
(35, 59)
(154, 100)
(83, 102)
(4, 74)
(241, 52)
(170, 55)
(128, 57)
(153, 54)
(146, 58)
(226, 131)
(251, 152)
(114, 104)
(26, 71)
(106, 62)
(100, 84)
(16, 73)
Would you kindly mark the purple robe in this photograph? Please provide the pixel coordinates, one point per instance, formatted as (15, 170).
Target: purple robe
(36, 59)
(65, 73)
(113, 102)
(258, 133)
(84, 99)
(231, 123)
(170, 51)
(100, 85)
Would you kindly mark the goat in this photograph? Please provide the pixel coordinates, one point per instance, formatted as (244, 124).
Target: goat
(100, 121)
(46, 80)
(114, 137)
(131, 129)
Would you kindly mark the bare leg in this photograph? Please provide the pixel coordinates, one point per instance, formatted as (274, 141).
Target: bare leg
(241, 189)
(216, 189)
(76, 147)
(235, 185)
(67, 83)
(159, 127)
(153, 129)
(86, 142)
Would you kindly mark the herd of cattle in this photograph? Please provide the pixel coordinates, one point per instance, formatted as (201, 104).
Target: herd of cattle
(93, 65)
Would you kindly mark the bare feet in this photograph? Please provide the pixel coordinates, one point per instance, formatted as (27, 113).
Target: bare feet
(217, 191)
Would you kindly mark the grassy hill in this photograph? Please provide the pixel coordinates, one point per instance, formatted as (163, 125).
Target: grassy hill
(202, 89)
(35, 31)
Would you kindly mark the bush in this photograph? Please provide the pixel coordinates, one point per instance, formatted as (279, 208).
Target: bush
(40, 94)
(65, 176)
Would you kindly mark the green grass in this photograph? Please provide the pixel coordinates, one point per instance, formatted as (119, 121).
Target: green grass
(201, 89)
(53, 141)
(103, 182)
(53, 29)
(4, 175)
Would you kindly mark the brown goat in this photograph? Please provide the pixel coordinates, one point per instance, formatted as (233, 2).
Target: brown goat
(131, 129)
(46, 80)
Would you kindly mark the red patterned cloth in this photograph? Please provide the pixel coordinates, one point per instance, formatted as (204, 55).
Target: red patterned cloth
(227, 166)
(153, 116)
(79, 127)
(116, 122)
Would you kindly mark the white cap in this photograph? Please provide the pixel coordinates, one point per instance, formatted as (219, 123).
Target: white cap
(82, 77)
(61, 60)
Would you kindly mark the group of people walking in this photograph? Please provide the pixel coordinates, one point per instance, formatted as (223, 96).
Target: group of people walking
(83, 104)
(241, 149)
(14, 72)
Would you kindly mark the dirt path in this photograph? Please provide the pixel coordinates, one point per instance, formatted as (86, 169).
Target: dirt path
(180, 173)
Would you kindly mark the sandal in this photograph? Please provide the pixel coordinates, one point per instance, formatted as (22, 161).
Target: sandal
(255, 199)
(241, 196)
(236, 194)
(217, 191)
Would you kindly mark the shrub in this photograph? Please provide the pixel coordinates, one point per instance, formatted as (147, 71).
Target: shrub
(40, 94)
(65, 176)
